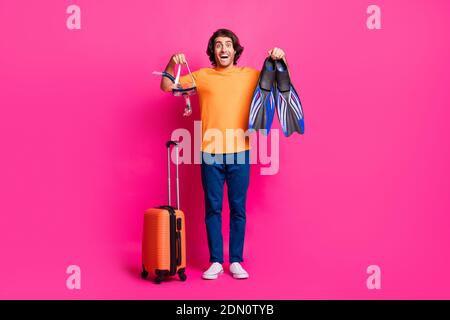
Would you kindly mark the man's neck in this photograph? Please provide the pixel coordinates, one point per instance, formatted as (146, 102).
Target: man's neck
(230, 67)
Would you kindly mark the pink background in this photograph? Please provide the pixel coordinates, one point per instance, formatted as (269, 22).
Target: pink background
(83, 125)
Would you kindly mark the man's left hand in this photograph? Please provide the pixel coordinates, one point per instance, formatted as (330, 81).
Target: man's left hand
(277, 54)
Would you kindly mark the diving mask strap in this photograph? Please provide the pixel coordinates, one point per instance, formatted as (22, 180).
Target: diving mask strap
(177, 79)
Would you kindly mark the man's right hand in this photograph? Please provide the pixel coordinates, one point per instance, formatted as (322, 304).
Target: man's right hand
(178, 58)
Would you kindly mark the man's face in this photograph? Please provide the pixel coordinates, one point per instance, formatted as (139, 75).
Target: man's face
(224, 52)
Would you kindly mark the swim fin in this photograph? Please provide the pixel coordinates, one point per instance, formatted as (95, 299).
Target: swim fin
(262, 108)
(289, 107)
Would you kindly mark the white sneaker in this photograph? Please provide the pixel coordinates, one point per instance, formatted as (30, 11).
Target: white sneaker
(213, 271)
(237, 271)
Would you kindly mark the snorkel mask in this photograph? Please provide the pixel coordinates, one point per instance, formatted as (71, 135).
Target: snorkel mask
(178, 90)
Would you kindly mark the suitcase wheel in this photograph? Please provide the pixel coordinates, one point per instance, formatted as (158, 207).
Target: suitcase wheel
(182, 275)
(144, 273)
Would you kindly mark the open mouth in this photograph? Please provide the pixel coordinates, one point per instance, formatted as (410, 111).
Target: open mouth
(224, 57)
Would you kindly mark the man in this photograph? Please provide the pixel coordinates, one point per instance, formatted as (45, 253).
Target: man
(225, 93)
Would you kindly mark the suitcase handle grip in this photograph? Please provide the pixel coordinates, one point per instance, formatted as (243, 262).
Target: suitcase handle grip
(168, 145)
(171, 143)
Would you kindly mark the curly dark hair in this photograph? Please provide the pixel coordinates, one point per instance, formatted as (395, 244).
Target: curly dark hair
(224, 33)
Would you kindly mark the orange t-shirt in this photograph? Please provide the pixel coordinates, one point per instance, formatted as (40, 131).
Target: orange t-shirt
(225, 97)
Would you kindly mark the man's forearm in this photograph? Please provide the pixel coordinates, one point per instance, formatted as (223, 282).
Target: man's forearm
(166, 83)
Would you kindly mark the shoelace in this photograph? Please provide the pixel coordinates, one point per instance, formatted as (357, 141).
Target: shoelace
(238, 268)
(214, 268)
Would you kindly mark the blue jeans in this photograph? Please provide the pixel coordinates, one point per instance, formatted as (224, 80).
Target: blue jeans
(216, 170)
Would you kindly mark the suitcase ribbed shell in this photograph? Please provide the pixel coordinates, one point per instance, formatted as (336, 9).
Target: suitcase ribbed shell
(156, 240)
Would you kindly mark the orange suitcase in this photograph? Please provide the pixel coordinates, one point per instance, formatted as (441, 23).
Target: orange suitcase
(163, 240)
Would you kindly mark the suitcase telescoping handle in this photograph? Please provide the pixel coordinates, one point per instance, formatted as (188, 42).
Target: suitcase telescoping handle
(168, 145)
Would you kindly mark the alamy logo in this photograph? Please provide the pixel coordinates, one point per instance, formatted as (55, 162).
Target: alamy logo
(74, 280)
(74, 20)
(232, 139)
(374, 20)
(374, 280)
